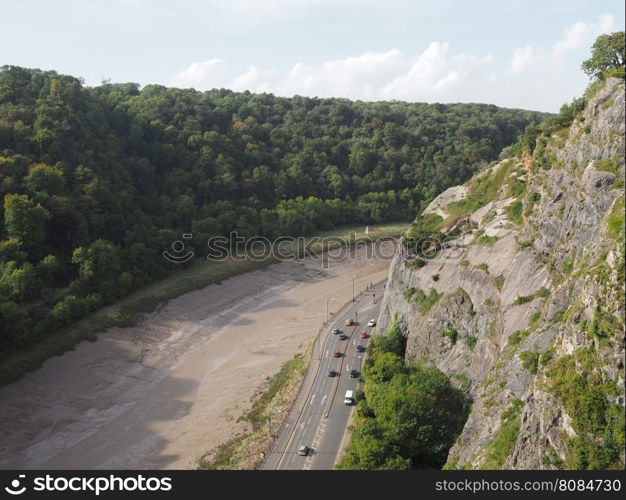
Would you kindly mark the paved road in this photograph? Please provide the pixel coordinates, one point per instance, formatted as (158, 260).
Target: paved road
(320, 418)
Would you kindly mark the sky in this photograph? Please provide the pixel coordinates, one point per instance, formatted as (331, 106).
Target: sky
(514, 53)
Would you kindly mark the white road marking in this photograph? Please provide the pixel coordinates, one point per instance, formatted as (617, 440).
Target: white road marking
(324, 399)
(312, 399)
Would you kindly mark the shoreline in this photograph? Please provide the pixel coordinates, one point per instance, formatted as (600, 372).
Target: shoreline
(127, 311)
(162, 393)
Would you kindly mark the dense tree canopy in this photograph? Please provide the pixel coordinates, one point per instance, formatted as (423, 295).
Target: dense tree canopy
(96, 182)
(408, 415)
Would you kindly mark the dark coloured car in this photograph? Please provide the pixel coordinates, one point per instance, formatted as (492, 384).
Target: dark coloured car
(343, 336)
(354, 373)
(360, 348)
(332, 373)
(335, 331)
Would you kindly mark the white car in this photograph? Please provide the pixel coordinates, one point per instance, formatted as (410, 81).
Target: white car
(371, 322)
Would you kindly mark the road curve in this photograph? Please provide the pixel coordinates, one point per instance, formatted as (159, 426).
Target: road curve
(319, 417)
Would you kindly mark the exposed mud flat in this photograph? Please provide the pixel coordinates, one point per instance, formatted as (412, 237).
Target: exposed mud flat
(160, 394)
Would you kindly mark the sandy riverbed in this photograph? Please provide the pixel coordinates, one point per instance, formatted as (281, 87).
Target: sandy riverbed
(160, 394)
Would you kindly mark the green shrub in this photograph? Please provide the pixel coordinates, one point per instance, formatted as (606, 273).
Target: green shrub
(523, 299)
(546, 356)
(517, 337)
(615, 220)
(576, 382)
(452, 334)
(425, 302)
(530, 360)
(487, 240)
(543, 292)
(503, 443)
(471, 340)
(514, 212)
(499, 282)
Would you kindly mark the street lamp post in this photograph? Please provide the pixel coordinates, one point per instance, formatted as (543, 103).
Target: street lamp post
(353, 287)
(327, 313)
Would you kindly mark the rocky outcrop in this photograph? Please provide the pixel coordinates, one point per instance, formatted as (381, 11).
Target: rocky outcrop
(525, 293)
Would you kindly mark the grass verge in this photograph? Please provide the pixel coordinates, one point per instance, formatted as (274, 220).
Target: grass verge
(262, 421)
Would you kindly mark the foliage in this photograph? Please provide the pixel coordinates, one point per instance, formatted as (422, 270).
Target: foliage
(471, 341)
(257, 415)
(607, 53)
(615, 220)
(576, 381)
(517, 337)
(543, 292)
(394, 341)
(410, 416)
(514, 212)
(424, 301)
(499, 282)
(534, 134)
(452, 334)
(100, 181)
(487, 240)
(237, 453)
(503, 443)
(530, 360)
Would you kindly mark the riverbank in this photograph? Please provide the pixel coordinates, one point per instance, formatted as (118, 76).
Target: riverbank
(127, 311)
(163, 392)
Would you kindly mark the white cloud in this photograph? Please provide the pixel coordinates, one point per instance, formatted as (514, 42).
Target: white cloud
(200, 73)
(582, 34)
(435, 74)
(533, 77)
(521, 58)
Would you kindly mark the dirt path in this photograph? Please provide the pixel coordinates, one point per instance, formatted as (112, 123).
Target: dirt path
(160, 394)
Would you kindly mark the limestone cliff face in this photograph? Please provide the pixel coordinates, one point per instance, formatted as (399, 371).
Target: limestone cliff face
(524, 304)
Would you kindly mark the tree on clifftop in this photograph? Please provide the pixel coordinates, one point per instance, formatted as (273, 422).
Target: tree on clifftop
(607, 53)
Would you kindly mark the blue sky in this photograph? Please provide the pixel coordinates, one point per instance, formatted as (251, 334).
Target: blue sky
(517, 53)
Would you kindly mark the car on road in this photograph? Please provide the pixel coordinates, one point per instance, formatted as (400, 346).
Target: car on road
(371, 322)
(342, 336)
(303, 450)
(360, 348)
(363, 335)
(349, 398)
(354, 373)
(349, 322)
(332, 373)
(336, 331)
(337, 354)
